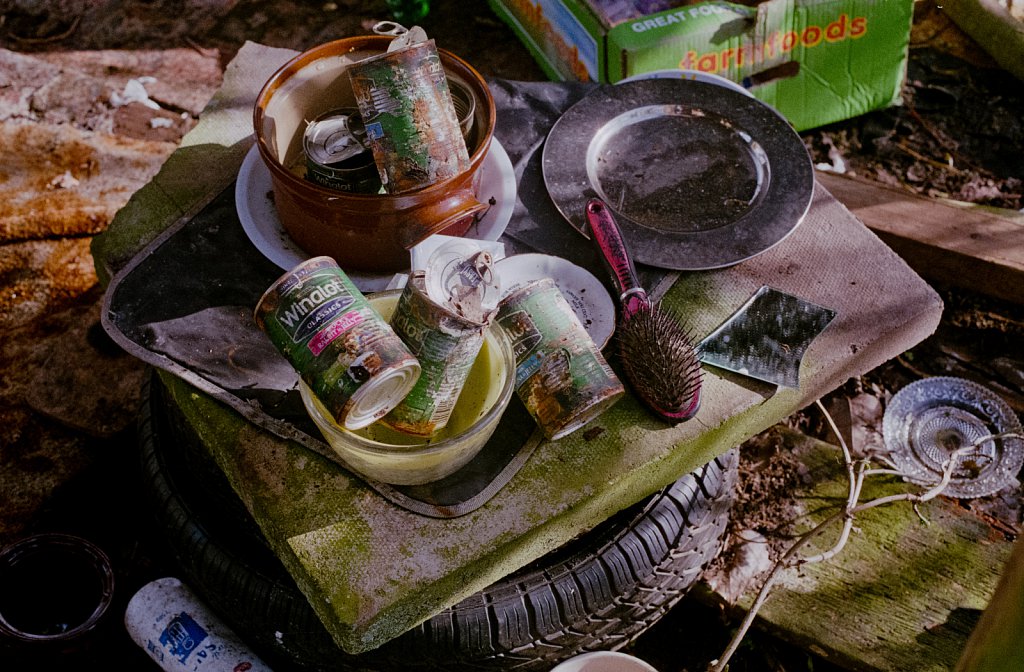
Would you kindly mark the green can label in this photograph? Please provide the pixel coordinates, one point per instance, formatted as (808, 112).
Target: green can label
(446, 346)
(561, 376)
(326, 304)
(337, 342)
(410, 119)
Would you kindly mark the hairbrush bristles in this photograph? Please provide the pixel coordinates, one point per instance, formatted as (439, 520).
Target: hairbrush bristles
(661, 362)
(655, 347)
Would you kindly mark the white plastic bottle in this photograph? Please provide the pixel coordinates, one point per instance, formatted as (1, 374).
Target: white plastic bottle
(181, 634)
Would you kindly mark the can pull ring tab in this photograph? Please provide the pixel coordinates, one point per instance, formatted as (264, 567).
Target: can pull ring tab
(404, 37)
(391, 28)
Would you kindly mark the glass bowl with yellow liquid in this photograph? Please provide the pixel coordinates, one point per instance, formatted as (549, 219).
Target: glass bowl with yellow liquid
(389, 456)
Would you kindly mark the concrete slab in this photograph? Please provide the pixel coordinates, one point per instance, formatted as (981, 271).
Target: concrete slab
(372, 570)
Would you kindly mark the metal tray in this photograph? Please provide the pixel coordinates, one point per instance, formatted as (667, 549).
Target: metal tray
(699, 176)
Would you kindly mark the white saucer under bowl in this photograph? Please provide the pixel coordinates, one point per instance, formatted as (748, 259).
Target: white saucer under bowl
(259, 218)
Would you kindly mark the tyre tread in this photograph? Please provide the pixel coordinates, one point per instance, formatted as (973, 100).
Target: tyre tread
(600, 591)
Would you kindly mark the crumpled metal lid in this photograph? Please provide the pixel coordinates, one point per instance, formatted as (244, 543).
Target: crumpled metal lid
(929, 419)
(460, 276)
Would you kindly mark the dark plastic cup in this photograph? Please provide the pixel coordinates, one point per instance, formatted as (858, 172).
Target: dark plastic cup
(54, 587)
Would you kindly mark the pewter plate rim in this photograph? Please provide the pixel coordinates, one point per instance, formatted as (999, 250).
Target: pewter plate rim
(781, 208)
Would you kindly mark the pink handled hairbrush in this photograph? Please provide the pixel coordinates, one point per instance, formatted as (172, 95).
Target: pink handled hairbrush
(656, 349)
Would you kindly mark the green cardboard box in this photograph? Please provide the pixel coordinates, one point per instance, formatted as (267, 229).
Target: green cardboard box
(815, 61)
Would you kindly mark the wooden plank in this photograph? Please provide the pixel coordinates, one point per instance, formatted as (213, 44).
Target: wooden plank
(948, 243)
(902, 595)
(995, 644)
(998, 30)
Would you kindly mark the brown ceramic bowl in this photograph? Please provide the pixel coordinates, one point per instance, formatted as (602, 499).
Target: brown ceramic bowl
(363, 232)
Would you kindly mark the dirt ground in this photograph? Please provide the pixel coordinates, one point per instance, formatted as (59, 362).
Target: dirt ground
(957, 132)
(958, 135)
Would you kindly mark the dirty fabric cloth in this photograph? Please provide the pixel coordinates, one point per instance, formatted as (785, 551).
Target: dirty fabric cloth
(185, 304)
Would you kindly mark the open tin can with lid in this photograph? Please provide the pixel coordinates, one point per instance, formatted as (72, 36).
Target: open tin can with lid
(443, 315)
(336, 154)
(411, 122)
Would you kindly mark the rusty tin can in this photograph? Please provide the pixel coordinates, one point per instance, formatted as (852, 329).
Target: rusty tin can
(465, 109)
(336, 154)
(446, 345)
(347, 354)
(561, 376)
(410, 119)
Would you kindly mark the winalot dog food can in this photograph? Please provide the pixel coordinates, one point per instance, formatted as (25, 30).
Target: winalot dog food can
(336, 156)
(561, 376)
(346, 353)
(410, 119)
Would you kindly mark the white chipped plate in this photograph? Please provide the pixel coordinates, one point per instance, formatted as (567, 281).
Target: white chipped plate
(259, 218)
(588, 297)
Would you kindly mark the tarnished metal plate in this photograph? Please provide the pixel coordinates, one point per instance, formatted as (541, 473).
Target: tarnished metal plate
(699, 176)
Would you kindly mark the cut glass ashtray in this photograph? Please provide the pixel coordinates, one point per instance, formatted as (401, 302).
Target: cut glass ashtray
(930, 419)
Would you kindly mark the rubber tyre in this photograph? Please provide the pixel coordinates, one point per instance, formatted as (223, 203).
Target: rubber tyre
(597, 592)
